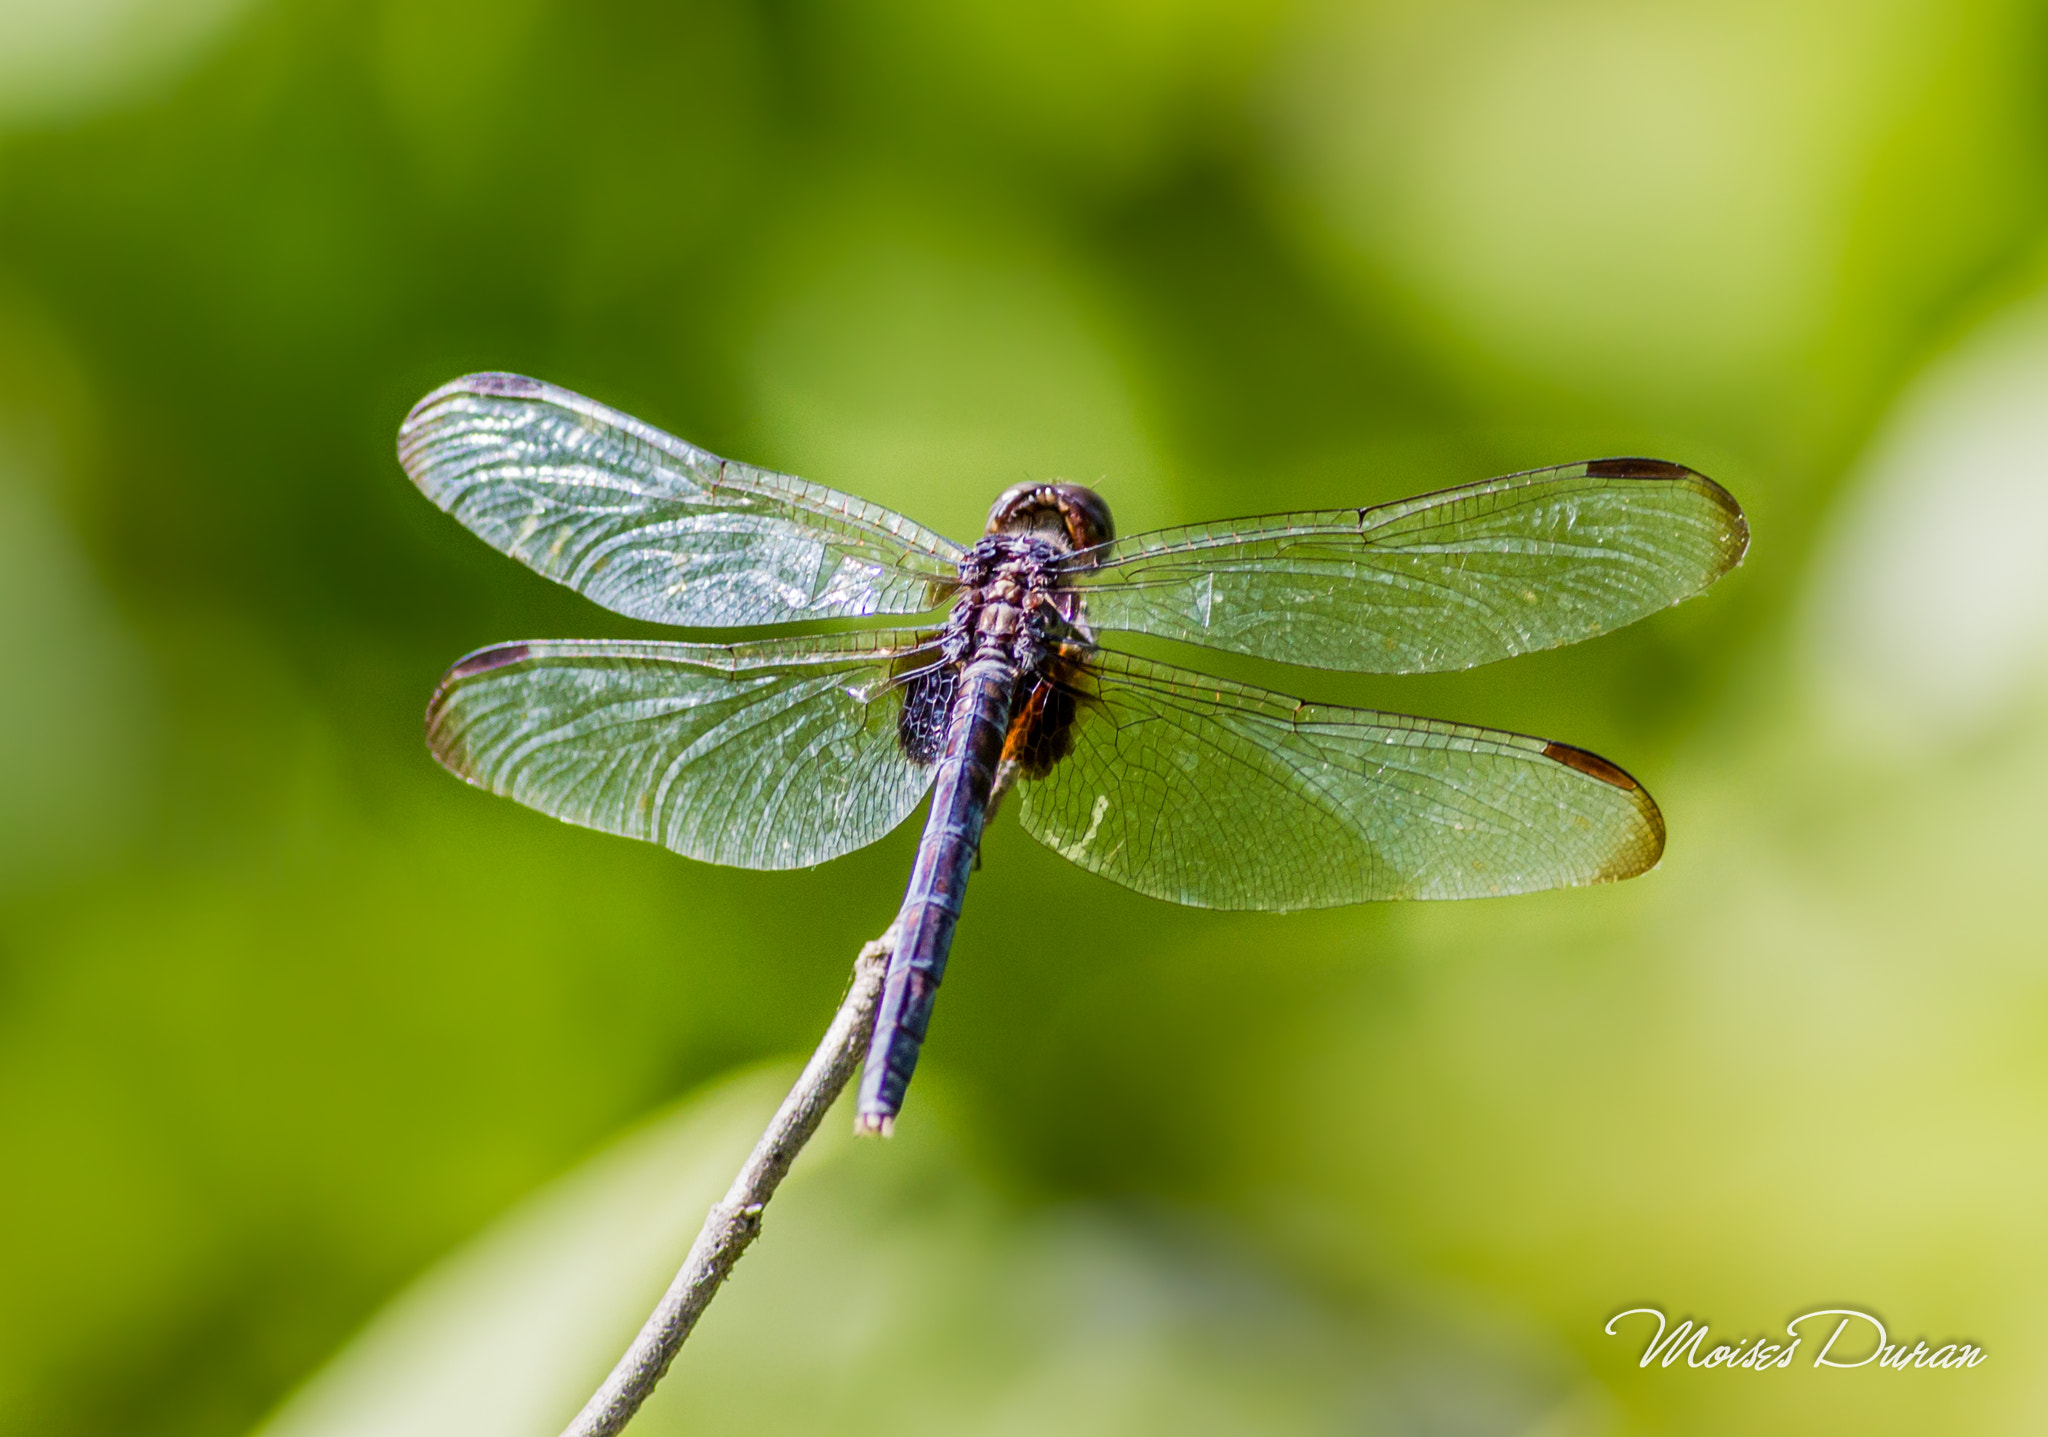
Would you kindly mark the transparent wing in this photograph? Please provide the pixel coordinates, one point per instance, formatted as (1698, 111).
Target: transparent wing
(1209, 793)
(769, 755)
(1445, 581)
(653, 527)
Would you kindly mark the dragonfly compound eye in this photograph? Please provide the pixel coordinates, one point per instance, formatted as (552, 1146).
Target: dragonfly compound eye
(1075, 514)
(1087, 515)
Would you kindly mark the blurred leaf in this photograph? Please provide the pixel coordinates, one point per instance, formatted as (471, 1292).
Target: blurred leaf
(62, 57)
(1929, 615)
(891, 1290)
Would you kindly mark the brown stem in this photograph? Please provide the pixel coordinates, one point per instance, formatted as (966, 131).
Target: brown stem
(735, 1222)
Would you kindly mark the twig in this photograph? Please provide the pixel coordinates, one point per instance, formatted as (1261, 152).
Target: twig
(735, 1222)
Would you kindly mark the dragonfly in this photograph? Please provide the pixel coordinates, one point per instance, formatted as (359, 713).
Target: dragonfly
(784, 752)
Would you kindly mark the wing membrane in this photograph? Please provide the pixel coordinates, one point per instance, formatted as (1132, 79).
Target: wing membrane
(769, 755)
(1209, 793)
(656, 528)
(1445, 581)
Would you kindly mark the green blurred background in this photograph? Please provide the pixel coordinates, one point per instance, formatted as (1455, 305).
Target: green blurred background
(287, 1015)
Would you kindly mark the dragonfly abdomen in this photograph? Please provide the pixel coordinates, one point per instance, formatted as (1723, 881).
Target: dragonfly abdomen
(975, 732)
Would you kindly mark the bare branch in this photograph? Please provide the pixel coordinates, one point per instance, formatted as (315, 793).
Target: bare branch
(735, 1222)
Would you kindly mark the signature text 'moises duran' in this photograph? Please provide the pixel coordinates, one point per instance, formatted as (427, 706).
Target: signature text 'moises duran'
(1759, 1354)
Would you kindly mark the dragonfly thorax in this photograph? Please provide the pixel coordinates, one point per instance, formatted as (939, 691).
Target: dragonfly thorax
(1014, 621)
(1009, 600)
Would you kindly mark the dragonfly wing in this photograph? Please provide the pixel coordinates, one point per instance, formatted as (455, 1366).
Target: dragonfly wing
(768, 755)
(1445, 581)
(654, 527)
(1210, 793)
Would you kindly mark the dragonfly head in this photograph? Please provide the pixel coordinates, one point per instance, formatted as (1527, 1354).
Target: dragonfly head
(1068, 514)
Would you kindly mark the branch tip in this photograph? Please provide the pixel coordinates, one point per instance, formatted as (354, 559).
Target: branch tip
(734, 1222)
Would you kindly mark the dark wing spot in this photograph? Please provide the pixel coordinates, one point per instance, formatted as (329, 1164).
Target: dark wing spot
(517, 386)
(1637, 469)
(444, 729)
(1735, 544)
(512, 386)
(1592, 765)
(484, 660)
